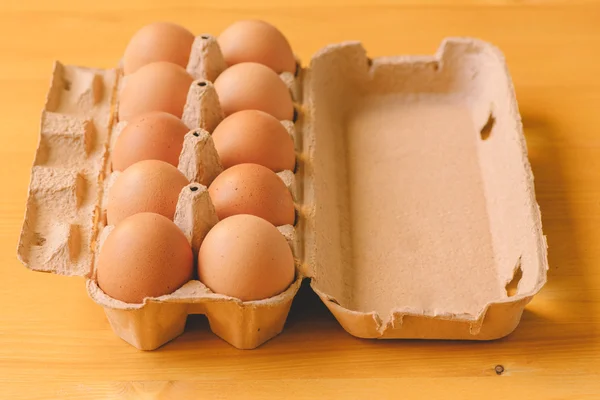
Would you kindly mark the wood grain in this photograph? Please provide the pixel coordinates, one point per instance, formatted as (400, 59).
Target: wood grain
(56, 343)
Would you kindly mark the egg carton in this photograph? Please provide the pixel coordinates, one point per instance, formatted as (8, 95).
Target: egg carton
(415, 201)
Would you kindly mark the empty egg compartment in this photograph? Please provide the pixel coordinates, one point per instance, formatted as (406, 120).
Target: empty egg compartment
(158, 320)
(421, 195)
(59, 232)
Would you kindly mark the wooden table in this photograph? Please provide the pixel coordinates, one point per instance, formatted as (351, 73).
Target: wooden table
(56, 343)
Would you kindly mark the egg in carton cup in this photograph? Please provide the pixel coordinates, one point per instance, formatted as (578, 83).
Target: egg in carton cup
(71, 180)
(415, 201)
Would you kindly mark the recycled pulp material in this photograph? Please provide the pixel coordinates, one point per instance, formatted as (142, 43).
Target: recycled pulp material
(413, 190)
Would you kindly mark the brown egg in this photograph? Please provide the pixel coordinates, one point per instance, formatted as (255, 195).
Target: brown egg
(245, 257)
(253, 136)
(159, 86)
(156, 135)
(252, 189)
(146, 255)
(252, 86)
(259, 42)
(146, 186)
(160, 41)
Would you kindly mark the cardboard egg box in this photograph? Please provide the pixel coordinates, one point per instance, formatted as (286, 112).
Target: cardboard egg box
(416, 208)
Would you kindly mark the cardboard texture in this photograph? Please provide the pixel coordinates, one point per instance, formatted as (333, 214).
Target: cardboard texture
(414, 196)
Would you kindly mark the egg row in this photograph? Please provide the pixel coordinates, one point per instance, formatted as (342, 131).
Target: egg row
(156, 80)
(248, 136)
(147, 255)
(154, 186)
(244, 41)
(162, 86)
(243, 255)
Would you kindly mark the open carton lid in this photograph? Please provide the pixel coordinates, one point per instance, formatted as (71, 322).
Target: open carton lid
(415, 195)
(421, 197)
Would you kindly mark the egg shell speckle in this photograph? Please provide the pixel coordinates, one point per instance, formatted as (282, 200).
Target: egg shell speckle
(159, 86)
(252, 86)
(160, 41)
(156, 135)
(245, 257)
(146, 255)
(252, 189)
(253, 136)
(146, 186)
(257, 41)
